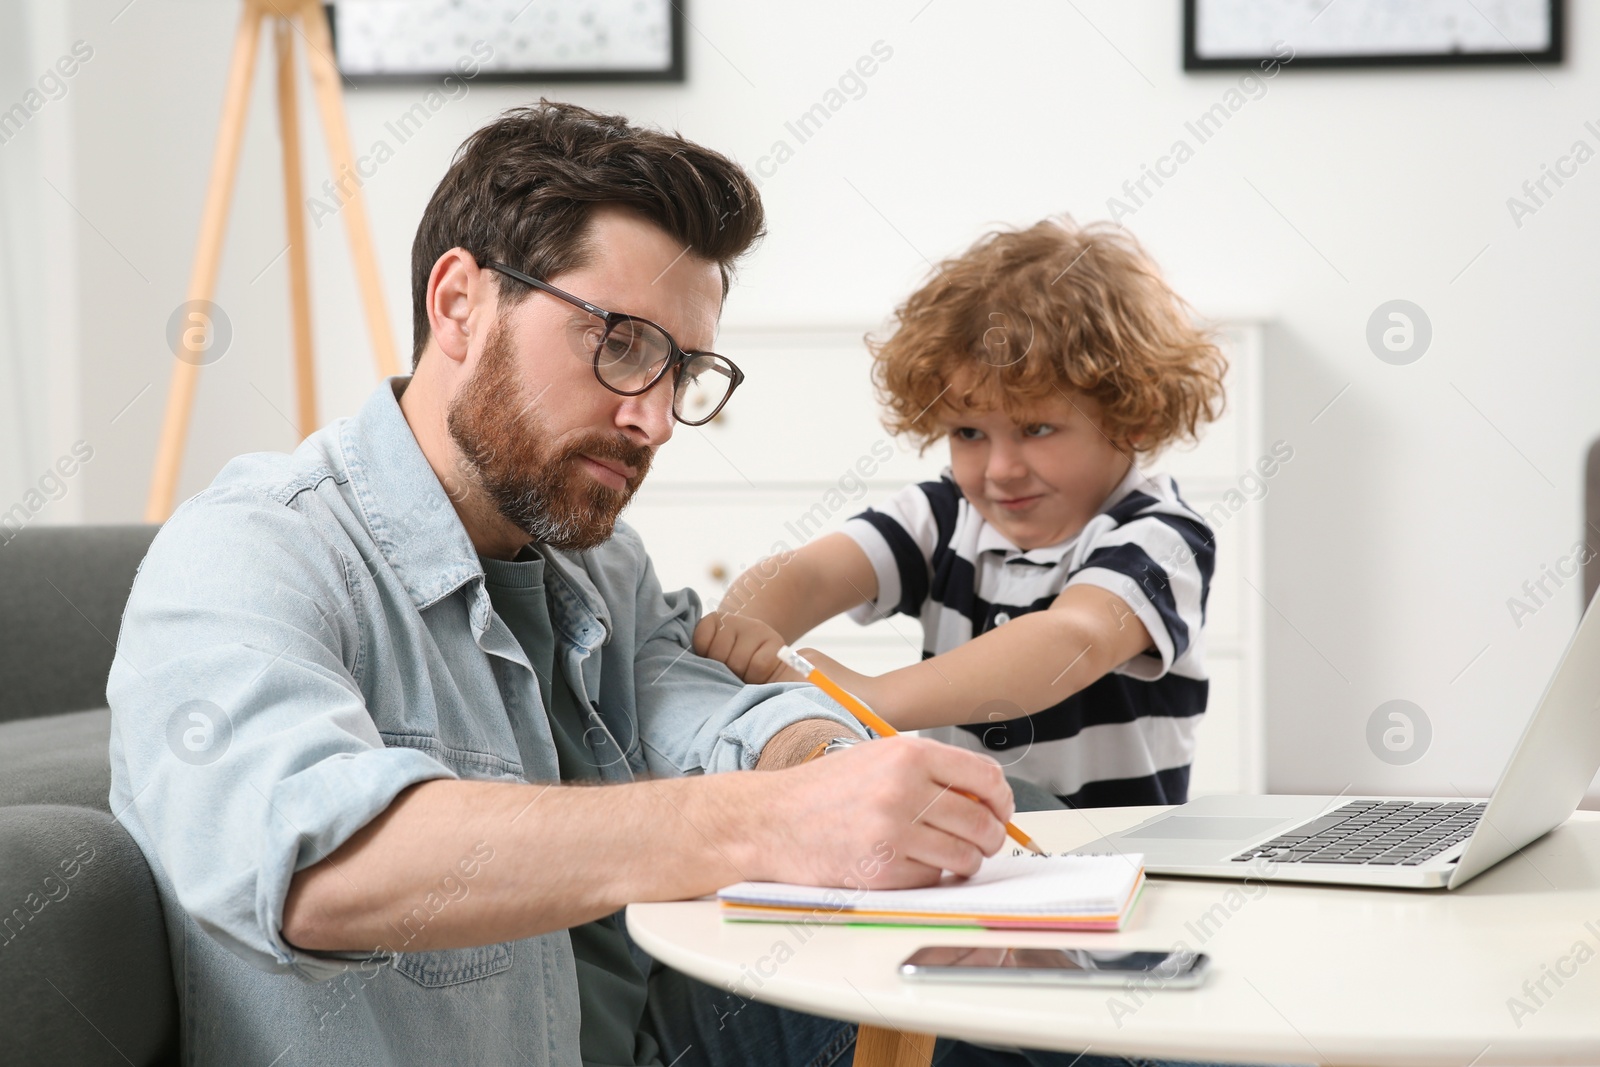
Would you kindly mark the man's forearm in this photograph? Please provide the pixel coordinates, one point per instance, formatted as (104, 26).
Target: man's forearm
(795, 742)
(453, 863)
(541, 858)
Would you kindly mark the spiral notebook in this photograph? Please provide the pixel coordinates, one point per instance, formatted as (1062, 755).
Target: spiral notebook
(1009, 892)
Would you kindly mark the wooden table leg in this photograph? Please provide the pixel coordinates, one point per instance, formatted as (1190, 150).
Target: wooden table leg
(879, 1047)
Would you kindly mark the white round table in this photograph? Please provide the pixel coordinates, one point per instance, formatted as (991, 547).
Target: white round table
(1505, 970)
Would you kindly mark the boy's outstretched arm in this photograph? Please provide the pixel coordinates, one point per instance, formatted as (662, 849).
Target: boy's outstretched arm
(1031, 663)
(781, 598)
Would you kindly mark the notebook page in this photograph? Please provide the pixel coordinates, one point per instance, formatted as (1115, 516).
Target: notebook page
(1004, 885)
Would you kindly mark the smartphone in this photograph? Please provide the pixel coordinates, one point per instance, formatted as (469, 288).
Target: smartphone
(1162, 969)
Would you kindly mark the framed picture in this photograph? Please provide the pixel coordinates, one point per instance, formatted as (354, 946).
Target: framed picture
(395, 41)
(1231, 34)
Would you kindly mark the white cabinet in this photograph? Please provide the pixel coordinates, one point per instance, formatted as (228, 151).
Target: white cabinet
(800, 449)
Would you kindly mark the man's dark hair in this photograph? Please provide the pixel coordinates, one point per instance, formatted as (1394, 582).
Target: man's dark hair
(521, 190)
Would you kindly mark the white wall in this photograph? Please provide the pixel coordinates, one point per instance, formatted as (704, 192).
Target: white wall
(1415, 505)
(39, 396)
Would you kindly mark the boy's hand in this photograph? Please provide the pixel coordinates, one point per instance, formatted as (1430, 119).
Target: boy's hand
(748, 646)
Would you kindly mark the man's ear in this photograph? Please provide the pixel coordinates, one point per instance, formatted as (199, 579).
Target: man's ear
(457, 287)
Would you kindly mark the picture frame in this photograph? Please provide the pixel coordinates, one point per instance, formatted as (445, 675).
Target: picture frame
(1240, 34)
(390, 42)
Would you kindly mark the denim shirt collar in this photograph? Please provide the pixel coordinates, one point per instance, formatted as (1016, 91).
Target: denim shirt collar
(414, 525)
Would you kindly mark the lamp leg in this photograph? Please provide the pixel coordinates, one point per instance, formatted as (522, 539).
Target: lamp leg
(295, 229)
(325, 82)
(208, 255)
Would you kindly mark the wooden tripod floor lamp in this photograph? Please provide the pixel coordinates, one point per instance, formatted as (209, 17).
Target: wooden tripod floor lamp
(289, 17)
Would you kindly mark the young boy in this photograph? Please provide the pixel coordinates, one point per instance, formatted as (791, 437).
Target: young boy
(1061, 588)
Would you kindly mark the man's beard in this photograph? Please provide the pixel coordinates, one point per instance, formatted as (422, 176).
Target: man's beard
(536, 487)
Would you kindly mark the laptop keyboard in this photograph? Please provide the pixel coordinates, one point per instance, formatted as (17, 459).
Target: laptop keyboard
(1379, 833)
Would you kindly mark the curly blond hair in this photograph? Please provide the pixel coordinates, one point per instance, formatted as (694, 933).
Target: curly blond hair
(1047, 311)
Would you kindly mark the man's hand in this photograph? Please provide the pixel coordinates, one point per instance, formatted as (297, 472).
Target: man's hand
(748, 646)
(886, 814)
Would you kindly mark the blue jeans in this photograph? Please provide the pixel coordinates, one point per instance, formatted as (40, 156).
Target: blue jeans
(698, 1025)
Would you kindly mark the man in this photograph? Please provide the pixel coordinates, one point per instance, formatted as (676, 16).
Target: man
(360, 690)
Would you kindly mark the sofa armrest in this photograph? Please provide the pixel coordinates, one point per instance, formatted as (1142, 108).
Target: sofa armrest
(85, 970)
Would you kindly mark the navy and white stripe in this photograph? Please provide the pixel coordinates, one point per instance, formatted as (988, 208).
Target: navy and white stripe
(1129, 737)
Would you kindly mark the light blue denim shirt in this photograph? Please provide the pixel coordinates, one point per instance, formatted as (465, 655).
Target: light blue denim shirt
(309, 636)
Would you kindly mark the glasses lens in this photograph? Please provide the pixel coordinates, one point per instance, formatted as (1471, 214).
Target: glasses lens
(632, 354)
(703, 385)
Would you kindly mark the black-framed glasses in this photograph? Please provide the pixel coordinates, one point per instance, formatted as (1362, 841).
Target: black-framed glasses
(632, 354)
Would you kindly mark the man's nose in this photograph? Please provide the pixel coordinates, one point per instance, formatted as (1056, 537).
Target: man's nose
(647, 418)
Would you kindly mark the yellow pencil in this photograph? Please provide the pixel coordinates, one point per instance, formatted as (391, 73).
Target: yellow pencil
(868, 717)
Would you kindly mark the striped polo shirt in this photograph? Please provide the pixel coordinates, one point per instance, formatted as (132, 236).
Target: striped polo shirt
(1127, 738)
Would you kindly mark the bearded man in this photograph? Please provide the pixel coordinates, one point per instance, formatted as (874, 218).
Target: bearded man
(403, 720)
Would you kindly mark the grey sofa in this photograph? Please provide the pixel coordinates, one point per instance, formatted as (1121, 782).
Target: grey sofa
(85, 973)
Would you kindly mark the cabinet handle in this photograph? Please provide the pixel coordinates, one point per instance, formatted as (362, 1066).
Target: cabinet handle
(719, 572)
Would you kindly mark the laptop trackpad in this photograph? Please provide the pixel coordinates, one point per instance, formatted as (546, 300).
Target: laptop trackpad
(1205, 828)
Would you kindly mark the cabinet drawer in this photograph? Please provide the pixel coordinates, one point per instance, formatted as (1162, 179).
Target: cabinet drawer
(806, 414)
(705, 539)
(1220, 763)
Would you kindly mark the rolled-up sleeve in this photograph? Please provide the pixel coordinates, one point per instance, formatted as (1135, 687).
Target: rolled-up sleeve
(242, 750)
(695, 715)
(1161, 566)
(899, 536)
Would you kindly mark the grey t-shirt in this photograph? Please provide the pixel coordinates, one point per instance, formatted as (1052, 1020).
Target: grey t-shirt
(611, 984)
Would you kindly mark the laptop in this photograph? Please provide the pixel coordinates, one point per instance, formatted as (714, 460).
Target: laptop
(1415, 843)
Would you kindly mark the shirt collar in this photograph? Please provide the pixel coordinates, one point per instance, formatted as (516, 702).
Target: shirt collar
(410, 518)
(992, 540)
